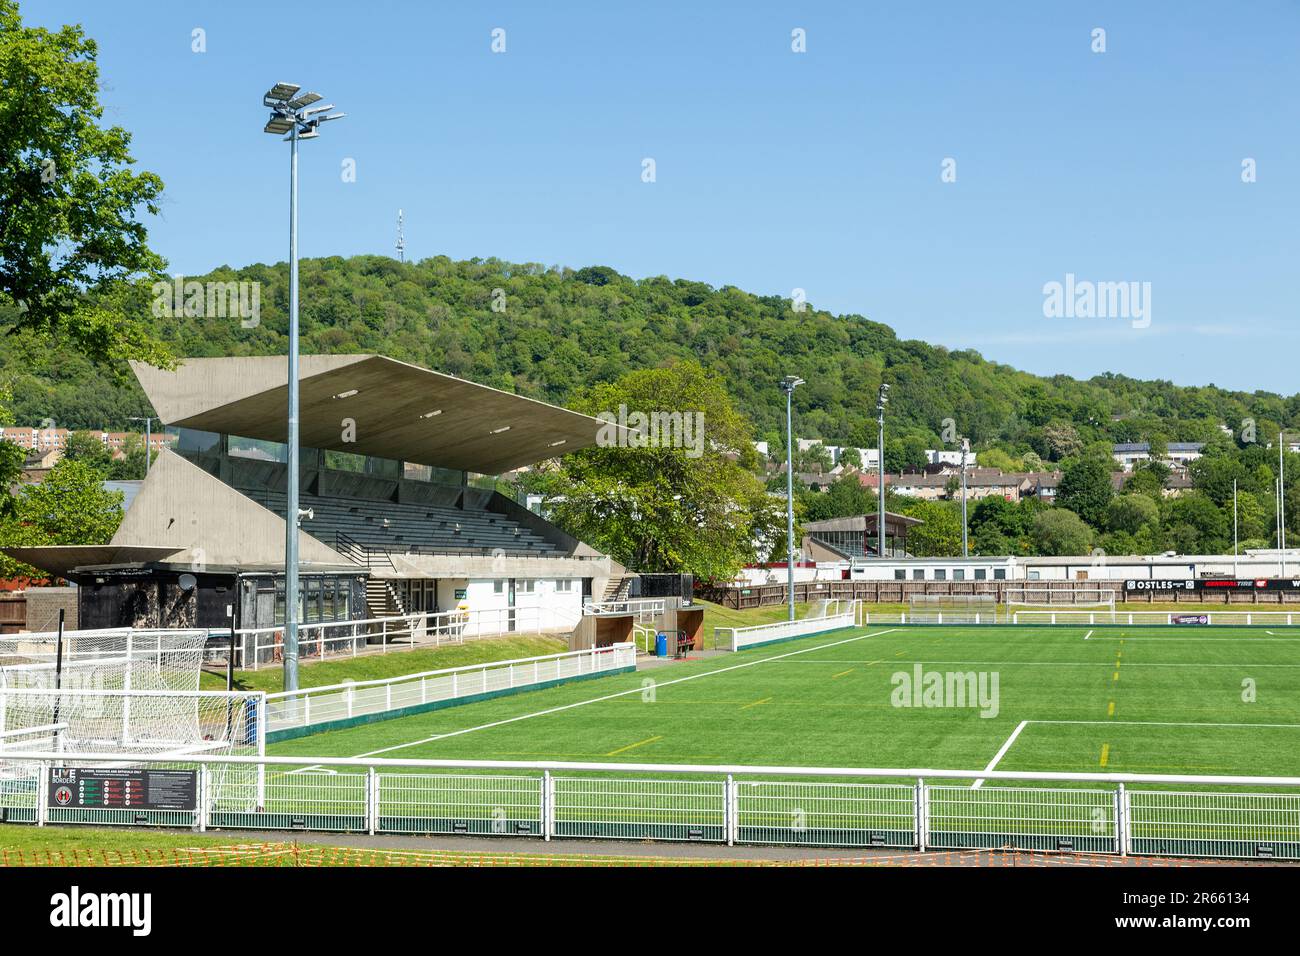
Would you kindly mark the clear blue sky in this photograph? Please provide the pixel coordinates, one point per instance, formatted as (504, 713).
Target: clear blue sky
(775, 170)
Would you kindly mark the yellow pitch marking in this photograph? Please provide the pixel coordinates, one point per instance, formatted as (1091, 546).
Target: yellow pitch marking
(1110, 711)
(639, 743)
(1105, 753)
(755, 703)
(842, 673)
(1115, 676)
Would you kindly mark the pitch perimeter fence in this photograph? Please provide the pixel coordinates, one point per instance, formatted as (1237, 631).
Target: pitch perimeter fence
(314, 709)
(1112, 814)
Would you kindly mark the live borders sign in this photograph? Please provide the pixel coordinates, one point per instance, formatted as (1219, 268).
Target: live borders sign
(96, 788)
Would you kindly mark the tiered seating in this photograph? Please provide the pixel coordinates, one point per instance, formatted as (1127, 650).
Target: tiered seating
(409, 528)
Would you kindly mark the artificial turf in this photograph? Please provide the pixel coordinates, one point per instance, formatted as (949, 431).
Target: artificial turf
(1202, 700)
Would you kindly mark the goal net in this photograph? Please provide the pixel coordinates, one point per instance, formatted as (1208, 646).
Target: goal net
(128, 692)
(1070, 605)
(952, 609)
(115, 659)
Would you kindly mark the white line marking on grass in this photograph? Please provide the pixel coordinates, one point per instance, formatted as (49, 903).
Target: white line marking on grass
(1166, 723)
(1001, 753)
(1206, 640)
(1088, 635)
(623, 693)
(927, 660)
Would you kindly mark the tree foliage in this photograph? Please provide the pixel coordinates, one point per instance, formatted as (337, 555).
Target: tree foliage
(662, 508)
(71, 234)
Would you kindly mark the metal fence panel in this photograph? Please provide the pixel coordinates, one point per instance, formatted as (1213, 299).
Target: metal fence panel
(301, 800)
(1253, 825)
(1021, 818)
(484, 804)
(18, 789)
(825, 814)
(640, 809)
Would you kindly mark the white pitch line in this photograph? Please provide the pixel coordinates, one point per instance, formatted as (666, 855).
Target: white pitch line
(1166, 723)
(623, 693)
(927, 660)
(1205, 640)
(999, 755)
(1088, 635)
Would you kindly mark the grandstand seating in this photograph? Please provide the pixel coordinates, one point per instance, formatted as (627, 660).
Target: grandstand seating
(409, 528)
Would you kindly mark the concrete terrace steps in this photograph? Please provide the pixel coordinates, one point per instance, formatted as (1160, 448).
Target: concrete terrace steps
(409, 527)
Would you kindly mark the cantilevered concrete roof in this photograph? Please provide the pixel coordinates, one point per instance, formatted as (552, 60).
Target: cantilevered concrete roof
(60, 559)
(184, 517)
(400, 411)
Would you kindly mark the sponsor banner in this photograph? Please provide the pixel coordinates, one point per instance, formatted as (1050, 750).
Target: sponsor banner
(1212, 584)
(1191, 619)
(101, 788)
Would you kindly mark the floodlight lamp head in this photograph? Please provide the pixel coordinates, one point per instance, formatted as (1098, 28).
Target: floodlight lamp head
(282, 92)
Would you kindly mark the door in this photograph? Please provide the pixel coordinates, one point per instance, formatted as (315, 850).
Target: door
(510, 604)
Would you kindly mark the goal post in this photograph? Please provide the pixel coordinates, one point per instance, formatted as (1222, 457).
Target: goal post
(125, 691)
(1080, 604)
(952, 609)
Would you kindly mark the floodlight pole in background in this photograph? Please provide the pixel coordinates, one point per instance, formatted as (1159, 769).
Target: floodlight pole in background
(148, 439)
(289, 114)
(881, 399)
(965, 447)
(1235, 573)
(788, 385)
(1281, 499)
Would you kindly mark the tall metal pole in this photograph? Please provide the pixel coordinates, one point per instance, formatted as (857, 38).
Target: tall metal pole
(965, 446)
(789, 498)
(880, 509)
(148, 443)
(291, 507)
(1281, 501)
(1234, 528)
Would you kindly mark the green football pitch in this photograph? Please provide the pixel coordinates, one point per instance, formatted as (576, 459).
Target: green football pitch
(1195, 700)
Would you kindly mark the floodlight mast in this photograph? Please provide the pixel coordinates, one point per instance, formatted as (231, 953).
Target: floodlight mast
(289, 114)
(881, 400)
(788, 385)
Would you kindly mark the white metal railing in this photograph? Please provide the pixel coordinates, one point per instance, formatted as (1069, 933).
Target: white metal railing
(313, 706)
(1109, 616)
(645, 609)
(1104, 813)
(738, 638)
(264, 646)
(643, 637)
(1046, 617)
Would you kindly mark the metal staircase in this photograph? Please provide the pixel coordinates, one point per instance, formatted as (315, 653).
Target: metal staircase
(382, 598)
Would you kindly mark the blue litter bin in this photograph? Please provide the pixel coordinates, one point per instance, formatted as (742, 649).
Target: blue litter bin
(661, 644)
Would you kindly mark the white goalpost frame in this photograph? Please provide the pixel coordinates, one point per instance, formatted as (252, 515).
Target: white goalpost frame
(952, 609)
(1037, 600)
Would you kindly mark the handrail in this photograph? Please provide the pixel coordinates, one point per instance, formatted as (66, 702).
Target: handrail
(460, 669)
(1228, 780)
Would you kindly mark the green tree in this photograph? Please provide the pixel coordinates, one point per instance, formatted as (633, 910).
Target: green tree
(70, 203)
(1129, 513)
(1147, 479)
(86, 447)
(70, 506)
(661, 508)
(996, 458)
(940, 533)
(1197, 524)
(1059, 531)
(1085, 489)
(1062, 440)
